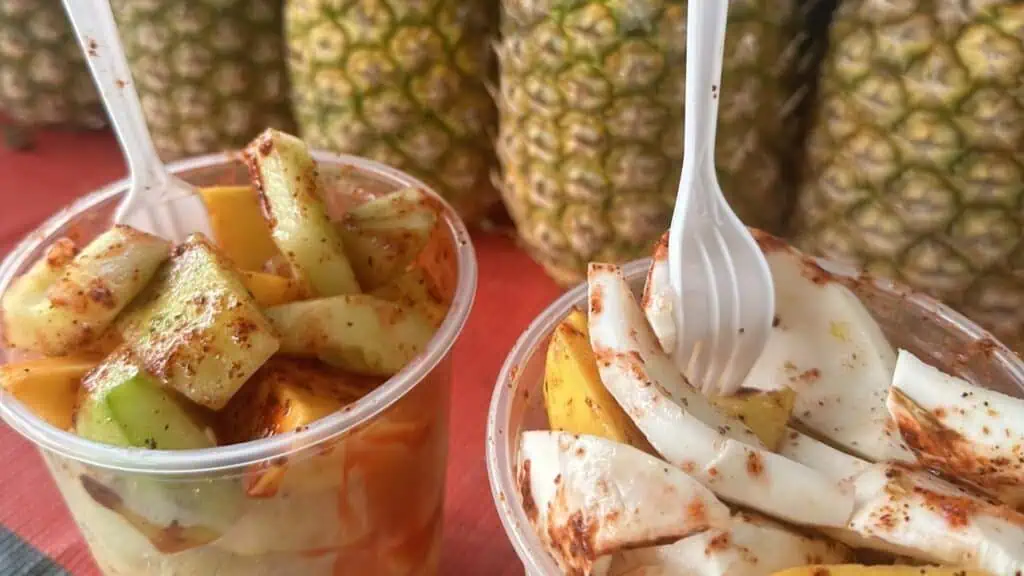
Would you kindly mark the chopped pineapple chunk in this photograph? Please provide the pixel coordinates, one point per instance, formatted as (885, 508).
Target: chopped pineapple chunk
(859, 570)
(238, 226)
(196, 327)
(766, 413)
(271, 289)
(285, 174)
(48, 386)
(63, 303)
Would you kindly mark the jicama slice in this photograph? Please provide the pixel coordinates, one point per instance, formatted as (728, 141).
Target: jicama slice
(285, 176)
(356, 332)
(827, 347)
(686, 429)
(916, 514)
(385, 234)
(588, 497)
(968, 432)
(64, 303)
(837, 464)
(751, 546)
(196, 328)
(658, 298)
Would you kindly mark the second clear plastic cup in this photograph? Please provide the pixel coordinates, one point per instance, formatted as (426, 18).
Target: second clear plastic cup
(358, 492)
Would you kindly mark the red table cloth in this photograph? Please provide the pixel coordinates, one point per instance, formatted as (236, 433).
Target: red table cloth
(37, 536)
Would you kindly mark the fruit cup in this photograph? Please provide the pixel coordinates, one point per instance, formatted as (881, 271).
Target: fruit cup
(358, 492)
(928, 329)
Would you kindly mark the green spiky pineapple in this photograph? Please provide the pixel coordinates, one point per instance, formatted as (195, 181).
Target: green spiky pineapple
(915, 163)
(402, 82)
(210, 73)
(591, 122)
(44, 80)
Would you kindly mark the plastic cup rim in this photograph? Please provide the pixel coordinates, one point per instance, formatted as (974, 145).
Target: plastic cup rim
(188, 462)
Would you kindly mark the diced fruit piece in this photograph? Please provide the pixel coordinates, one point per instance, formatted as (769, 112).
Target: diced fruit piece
(384, 235)
(196, 327)
(48, 386)
(285, 177)
(686, 429)
(639, 500)
(968, 432)
(413, 288)
(827, 347)
(286, 394)
(271, 289)
(238, 226)
(62, 303)
(574, 396)
(861, 570)
(751, 546)
(766, 412)
(125, 406)
(910, 512)
(357, 332)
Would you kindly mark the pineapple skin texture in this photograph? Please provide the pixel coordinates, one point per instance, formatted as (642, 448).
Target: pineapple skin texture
(210, 73)
(402, 82)
(914, 167)
(44, 80)
(591, 122)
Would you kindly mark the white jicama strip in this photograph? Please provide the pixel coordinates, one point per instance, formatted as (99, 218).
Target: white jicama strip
(964, 430)
(827, 347)
(751, 546)
(658, 297)
(916, 514)
(836, 464)
(589, 497)
(686, 430)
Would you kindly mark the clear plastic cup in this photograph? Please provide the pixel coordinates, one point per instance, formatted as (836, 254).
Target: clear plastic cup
(932, 331)
(358, 492)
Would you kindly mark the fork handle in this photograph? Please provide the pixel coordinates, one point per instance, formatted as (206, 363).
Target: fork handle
(96, 30)
(705, 44)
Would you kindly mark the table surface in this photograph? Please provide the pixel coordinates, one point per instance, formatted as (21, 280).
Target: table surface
(37, 535)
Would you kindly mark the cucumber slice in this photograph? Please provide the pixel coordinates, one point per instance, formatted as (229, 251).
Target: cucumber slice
(285, 176)
(415, 289)
(385, 234)
(124, 406)
(196, 328)
(357, 332)
(62, 304)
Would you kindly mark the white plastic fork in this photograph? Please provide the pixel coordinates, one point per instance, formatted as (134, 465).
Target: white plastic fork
(157, 202)
(725, 300)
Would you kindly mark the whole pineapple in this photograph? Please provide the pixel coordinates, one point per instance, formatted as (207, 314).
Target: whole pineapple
(43, 77)
(210, 73)
(915, 164)
(591, 122)
(402, 82)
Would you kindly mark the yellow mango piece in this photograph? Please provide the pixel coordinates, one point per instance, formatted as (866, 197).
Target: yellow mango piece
(238, 225)
(48, 386)
(764, 412)
(271, 289)
(286, 394)
(860, 570)
(574, 396)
